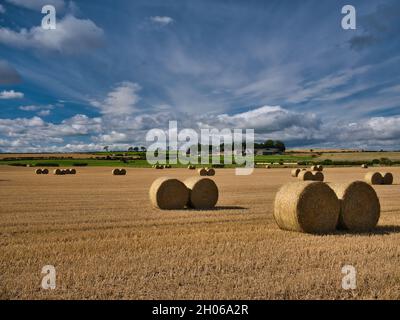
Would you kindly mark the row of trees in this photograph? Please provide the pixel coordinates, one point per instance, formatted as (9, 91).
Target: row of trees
(130, 149)
(271, 144)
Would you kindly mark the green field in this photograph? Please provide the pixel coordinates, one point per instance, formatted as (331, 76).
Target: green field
(139, 163)
(329, 159)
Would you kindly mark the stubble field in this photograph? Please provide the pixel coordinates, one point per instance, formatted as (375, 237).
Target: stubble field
(107, 242)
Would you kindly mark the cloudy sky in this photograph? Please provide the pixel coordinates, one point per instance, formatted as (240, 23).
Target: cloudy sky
(112, 70)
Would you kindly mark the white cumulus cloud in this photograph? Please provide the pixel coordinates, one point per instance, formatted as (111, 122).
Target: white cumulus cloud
(37, 4)
(120, 101)
(162, 20)
(71, 36)
(5, 95)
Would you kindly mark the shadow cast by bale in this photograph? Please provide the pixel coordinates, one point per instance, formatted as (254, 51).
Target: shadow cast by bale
(379, 230)
(220, 208)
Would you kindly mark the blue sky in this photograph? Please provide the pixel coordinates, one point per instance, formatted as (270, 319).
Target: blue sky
(112, 70)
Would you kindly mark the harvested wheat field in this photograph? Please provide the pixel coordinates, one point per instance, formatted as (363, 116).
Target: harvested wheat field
(107, 241)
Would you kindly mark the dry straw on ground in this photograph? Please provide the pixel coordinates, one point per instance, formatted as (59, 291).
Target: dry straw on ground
(202, 172)
(203, 193)
(360, 207)
(310, 207)
(387, 178)
(373, 178)
(318, 176)
(305, 176)
(295, 172)
(169, 194)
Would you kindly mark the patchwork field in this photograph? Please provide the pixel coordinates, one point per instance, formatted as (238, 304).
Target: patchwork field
(107, 242)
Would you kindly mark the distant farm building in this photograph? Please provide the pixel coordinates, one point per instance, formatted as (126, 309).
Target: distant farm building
(267, 151)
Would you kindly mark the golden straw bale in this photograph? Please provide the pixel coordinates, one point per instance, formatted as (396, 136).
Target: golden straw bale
(169, 194)
(360, 206)
(310, 207)
(211, 172)
(203, 193)
(387, 178)
(295, 172)
(305, 176)
(202, 172)
(373, 178)
(318, 176)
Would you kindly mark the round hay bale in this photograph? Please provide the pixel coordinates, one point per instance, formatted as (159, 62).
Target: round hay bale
(295, 172)
(45, 171)
(122, 172)
(304, 169)
(202, 172)
(318, 176)
(67, 171)
(203, 193)
(168, 194)
(72, 171)
(364, 166)
(211, 172)
(359, 206)
(310, 207)
(314, 168)
(191, 167)
(320, 168)
(305, 176)
(268, 167)
(38, 171)
(64, 171)
(115, 172)
(58, 172)
(387, 178)
(373, 178)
